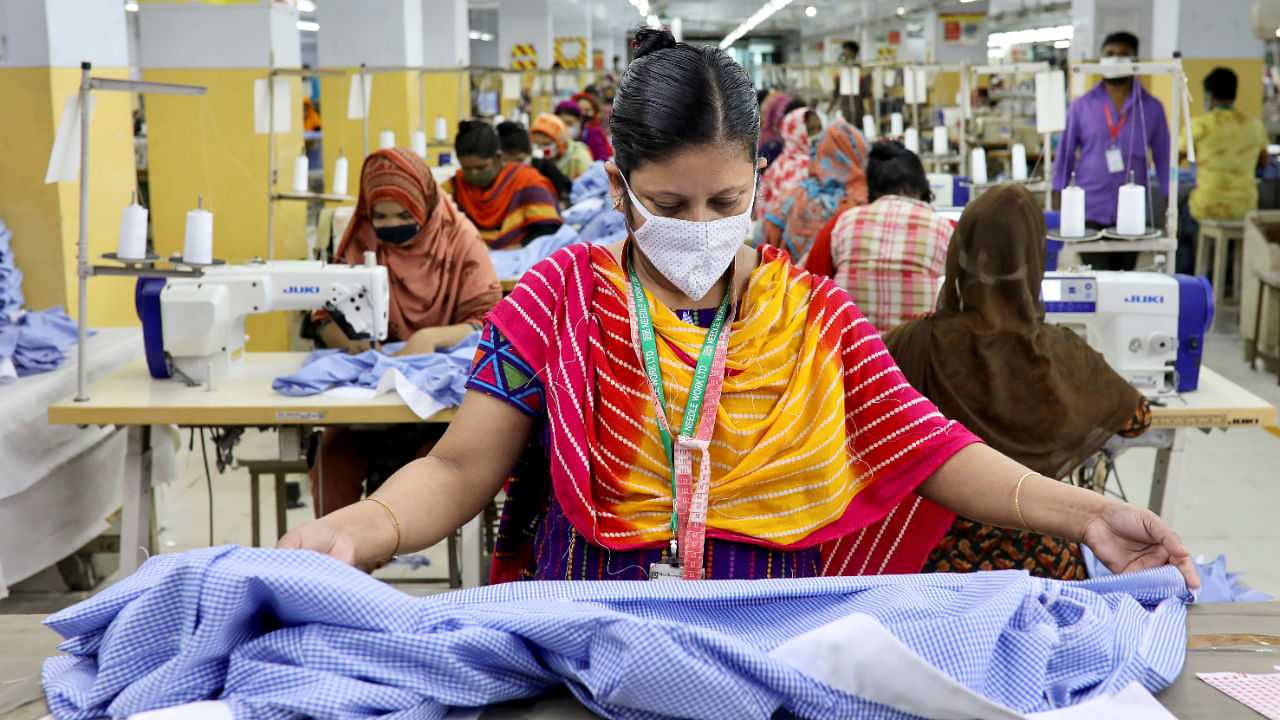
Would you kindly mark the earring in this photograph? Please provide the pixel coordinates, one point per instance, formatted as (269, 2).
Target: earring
(617, 202)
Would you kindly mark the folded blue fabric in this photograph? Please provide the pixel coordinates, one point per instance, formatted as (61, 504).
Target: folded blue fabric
(606, 227)
(592, 183)
(514, 263)
(11, 298)
(441, 375)
(581, 213)
(1216, 584)
(41, 338)
(285, 634)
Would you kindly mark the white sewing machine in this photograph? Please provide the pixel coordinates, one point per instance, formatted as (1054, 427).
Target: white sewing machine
(1150, 327)
(194, 326)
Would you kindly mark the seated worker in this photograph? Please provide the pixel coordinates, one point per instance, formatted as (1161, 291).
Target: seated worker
(594, 133)
(1230, 146)
(514, 146)
(889, 256)
(837, 181)
(571, 115)
(442, 284)
(792, 164)
(552, 135)
(772, 111)
(803, 432)
(1032, 391)
(510, 203)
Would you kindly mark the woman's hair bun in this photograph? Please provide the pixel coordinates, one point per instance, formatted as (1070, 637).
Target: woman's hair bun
(651, 40)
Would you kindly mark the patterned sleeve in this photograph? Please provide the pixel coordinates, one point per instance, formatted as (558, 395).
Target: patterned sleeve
(499, 371)
(1141, 420)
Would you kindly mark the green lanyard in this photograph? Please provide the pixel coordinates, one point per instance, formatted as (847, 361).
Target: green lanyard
(701, 375)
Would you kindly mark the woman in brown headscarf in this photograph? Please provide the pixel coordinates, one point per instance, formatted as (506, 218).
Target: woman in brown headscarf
(442, 284)
(1033, 391)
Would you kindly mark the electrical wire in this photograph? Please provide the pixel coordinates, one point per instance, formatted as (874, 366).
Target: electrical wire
(208, 479)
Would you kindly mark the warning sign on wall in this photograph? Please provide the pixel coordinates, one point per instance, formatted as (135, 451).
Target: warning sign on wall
(597, 59)
(571, 52)
(524, 57)
(960, 29)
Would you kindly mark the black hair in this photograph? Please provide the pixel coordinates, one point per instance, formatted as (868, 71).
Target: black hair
(567, 110)
(1221, 84)
(793, 105)
(676, 96)
(1122, 38)
(851, 46)
(761, 94)
(892, 169)
(513, 137)
(476, 138)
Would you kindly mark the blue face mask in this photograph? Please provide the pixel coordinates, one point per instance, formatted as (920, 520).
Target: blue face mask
(397, 234)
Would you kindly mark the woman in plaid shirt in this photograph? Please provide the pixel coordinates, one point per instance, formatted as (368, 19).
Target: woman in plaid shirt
(890, 255)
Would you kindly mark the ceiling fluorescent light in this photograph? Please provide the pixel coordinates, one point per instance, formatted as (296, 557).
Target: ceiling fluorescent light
(765, 11)
(308, 26)
(306, 6)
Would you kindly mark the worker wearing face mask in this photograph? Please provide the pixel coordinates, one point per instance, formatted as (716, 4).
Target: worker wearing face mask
(442, 283)
(510, 203)
(1114, 129)
(549, 133)
(516, 147)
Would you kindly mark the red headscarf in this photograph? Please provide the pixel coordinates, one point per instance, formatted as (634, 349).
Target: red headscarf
(443, 276)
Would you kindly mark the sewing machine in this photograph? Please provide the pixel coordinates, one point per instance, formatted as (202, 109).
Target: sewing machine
(1150, 327)
(193, 327)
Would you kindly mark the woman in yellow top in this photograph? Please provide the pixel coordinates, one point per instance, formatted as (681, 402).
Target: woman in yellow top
(551, 135)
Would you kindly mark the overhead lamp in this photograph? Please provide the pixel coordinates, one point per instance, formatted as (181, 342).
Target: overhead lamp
(654, 22)
(902, 10)
(308, 26)
(765, 11)
(1062, 44)
(481, 36)
(811, 11)
(306, 6)
(133, 7)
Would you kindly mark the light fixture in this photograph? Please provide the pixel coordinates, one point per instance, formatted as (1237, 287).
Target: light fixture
(306, 6)
(481, 36)
(811, 11)
(133, 7)
(1028, 37)
(1062, 44)
(308, 26)
(760, 16)
(654, 22)
(902, 10)
(1277, 29)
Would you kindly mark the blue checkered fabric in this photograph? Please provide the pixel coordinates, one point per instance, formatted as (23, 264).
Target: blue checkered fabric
(287, 634)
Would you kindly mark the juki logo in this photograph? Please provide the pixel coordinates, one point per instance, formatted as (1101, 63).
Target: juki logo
(302, 290)
(1145, 299)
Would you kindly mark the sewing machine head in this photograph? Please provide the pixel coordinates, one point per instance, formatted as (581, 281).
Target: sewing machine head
(1150, 327)
(194, 326)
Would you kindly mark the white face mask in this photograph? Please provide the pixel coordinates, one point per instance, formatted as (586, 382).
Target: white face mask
(1117, 73)
(692, 255)
(575, 132)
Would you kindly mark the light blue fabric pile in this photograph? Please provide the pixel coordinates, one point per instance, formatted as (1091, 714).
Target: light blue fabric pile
(1216, 584)
(33, 341)
(592, 211)
(441, 375)
(284, 634)
(512, 264)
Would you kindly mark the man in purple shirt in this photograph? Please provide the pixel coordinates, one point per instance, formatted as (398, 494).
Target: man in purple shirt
(1117, 128)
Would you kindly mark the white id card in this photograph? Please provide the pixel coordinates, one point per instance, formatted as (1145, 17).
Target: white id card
(1115, 160)
(665, 571)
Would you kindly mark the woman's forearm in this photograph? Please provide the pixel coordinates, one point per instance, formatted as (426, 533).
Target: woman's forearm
(982, 484)
(451, 335)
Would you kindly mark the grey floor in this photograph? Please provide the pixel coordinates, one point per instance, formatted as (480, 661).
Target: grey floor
(1230, 501)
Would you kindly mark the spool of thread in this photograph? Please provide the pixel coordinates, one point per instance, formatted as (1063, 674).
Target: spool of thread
(340, 176)
(498, 120)
(197, 243)
(940, 143)
(895, 125)
(1019, 161)
(133, 232)
(978, 166)
(1131, 209)
(386, 139)
(524, 119)
(442, 129)
(418, 143)
(869, 127)
(301, 167)
(911, 140)
(1071, 220)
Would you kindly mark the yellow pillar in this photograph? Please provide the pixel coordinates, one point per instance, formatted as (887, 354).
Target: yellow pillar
(208, 146)
(35, 80)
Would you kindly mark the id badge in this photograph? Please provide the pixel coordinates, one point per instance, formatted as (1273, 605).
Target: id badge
(665, 571)
(1115, 160)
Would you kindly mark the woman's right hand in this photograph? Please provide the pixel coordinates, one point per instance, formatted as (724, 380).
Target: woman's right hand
(321, 536)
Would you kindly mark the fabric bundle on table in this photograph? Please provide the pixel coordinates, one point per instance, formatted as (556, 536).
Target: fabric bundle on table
(511, 264)
(30, 342)
(427, 383)
(284, 634)
(592, 211)
(1216, 584)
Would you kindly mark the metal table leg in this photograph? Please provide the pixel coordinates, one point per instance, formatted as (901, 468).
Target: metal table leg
(472, 552)
(137, 503)
(1166, 479)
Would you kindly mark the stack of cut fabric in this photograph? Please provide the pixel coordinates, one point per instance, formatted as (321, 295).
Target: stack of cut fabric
(592, 212)
(30, 342)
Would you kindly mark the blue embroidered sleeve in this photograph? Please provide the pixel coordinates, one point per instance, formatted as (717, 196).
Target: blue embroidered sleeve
(500, 372)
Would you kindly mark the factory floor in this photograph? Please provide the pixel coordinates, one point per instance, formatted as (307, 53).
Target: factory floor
(1230, 500)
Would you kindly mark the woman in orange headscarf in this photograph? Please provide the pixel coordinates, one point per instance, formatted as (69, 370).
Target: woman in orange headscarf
(442, 284)
(837, 181)
(551, 135)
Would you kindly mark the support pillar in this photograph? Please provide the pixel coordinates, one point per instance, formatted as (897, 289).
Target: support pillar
(447, 94)
(210, 146)
(45, 41)
(1210, 35)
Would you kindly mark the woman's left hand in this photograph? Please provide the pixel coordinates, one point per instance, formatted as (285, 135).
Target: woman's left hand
(1127, 538)
(421, 342)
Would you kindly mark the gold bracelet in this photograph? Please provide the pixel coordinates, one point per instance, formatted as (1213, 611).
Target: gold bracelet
(1017, 505)
(394, 519)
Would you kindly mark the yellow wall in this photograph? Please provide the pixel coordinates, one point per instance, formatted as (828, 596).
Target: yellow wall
(448, 96)
(393, 105)
(45, 218)
(207, 146)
